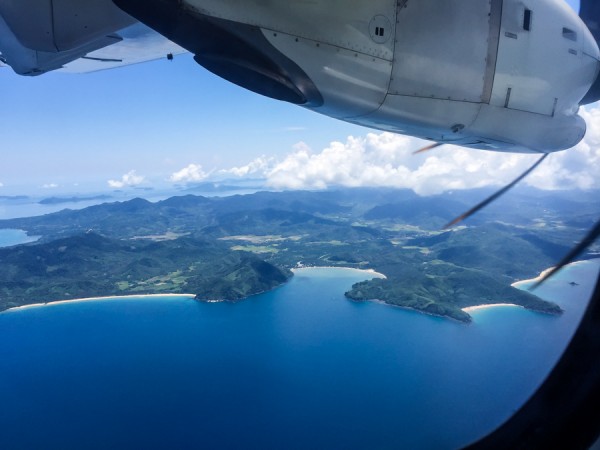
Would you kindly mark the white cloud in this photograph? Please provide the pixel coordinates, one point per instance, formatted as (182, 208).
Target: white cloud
(190, 174)
(50, 186)
(577, 167)
(131, 178)
(385, 159)
(1, 184)
(260, 167)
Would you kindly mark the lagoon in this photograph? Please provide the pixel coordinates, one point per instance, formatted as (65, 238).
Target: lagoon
(300, 367)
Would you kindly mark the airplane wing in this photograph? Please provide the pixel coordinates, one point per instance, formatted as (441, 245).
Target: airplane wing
(86, 36)
(137, 43)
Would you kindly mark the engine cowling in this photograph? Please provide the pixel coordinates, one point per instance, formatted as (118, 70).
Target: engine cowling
(499, 75)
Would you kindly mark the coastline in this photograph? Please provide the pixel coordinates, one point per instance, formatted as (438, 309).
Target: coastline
(420, 311)
(369, 271)
(87, 299)
(470, 309)
(524, 284)
(540, 277)
(190, 296)
(213, 300)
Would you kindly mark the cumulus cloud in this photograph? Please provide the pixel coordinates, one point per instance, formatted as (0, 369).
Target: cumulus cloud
(385, 159)
(577, 167)
(49, 186)
(260, 167)
(130, 179)
(190, 174)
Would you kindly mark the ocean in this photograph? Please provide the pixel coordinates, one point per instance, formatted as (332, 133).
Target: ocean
(300, 367)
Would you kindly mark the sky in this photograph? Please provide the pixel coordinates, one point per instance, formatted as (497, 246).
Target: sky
(164, 123)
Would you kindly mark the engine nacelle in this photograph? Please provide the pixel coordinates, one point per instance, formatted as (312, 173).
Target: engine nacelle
(499, 74)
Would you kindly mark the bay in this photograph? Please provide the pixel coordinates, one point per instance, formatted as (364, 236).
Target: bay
(300, 367)
(9, 237)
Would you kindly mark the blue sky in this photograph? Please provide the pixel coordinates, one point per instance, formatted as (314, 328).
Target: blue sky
(153, 117)
(161, 123)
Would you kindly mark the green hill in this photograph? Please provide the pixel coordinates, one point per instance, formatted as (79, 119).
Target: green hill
(91, 265)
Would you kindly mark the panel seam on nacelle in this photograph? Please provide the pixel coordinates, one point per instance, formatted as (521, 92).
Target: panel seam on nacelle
(376, 53)
(399, 5)
(493, 47)
(590, 56)
(52, 20)
(317, 43)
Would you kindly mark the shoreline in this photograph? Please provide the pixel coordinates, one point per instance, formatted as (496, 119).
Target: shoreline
(470, 309)
(524, 283)
(190, 296)
(374, 273)
(212, 300)
(410, 308)
(101, 298)
(540, 277)
(369, 271)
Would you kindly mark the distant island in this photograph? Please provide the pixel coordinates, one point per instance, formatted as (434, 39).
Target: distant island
(59, 200)
(14, 197)
(229, 248)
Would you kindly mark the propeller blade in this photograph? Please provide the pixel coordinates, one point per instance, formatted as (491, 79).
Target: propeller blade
(490, 199)
(429, 147)
(585, 243)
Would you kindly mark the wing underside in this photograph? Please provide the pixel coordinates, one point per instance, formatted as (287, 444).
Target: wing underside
(103, 38)
(137, 44)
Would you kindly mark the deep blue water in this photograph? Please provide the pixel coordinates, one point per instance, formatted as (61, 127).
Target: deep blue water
(297, 368)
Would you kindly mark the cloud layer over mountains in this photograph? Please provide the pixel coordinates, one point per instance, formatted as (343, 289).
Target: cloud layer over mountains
(386, 159)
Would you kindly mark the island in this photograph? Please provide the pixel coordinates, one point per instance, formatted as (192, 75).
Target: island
(229, 248)
(73, 199)
(447, 292)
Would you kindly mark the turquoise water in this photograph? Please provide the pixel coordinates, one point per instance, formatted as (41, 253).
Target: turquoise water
(10, 237)
(297, 368)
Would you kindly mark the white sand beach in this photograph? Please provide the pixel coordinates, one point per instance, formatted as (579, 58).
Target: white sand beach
(369, 271)
(87, 299)
(471, 309)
